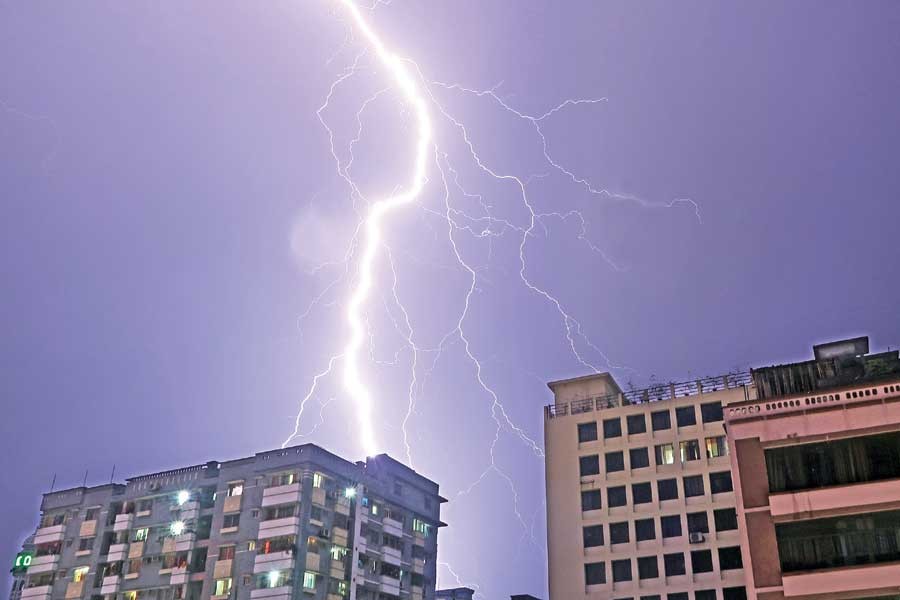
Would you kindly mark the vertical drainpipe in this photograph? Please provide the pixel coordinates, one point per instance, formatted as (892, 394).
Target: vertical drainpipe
(357, 524)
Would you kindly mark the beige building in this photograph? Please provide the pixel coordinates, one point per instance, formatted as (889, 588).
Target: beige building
(640, 502)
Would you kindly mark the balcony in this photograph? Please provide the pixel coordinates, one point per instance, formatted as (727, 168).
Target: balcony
(74, 589)
(391, 555)
(418, 566)
(110, 585)
(342, 506)
(43, 564)
(318, 496)
(337, 570)
(222, 569)
(278, 527)
(390, 585)
(834, 498)
(339, 536)
(277, 593)
(38, 592)
(416, 593)
(273, 561)
(189, 511)
(179, 576)
(116, 552)
(312, 561)
(281, 494)
(392, 527)
(185, 541)
(88, 529)
(845, 580)
(123, 522)
(54, 533)
(136, 550)
(232, 504)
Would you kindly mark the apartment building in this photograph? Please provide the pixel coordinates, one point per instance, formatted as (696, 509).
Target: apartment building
(289, 524)
(817, 476)
(640, 500)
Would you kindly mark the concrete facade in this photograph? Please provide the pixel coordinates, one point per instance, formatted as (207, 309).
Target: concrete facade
(817, 476)
(639, 491)
(286, 524)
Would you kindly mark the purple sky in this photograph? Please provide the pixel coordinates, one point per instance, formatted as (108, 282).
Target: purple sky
(166, 187)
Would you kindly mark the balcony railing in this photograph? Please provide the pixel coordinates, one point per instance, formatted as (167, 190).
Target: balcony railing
(839, 550)
(654, 393)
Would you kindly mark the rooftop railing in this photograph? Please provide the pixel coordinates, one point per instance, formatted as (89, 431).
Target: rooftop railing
(655, 393)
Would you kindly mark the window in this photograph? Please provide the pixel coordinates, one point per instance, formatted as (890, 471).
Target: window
(651, 596)
(615, 461)
(674, 564)
(639, 458)
(91, 514)
(693, 486)
(612, 428)
(223, 586)
(145, 505)
(282, 479)
(644, 529)
(79, 574)
(587, 432)
(720, 482)
(735, 593)
(318, 481)
(231, 520)
(235, 489)
(660, 420)
(279, 512)
(716, 446)
(615, 496)
(677, 596)
(665, 454)
(730, 558)
(618, 533)
(593, 536)
(589, 465)
(226, 552)
(420, 526)
(698, 522)
(309, 580)
(701, 561)
(621, 570)
(685, 416)
(591, 500)
(648, 567)
(725, 518)
(594, 573)
(671, 526)
(636, 424)
(85, 544)
(711, 412)
(705, 595)
(134, 566)
(140, 535)
(667, 489)
(690, 450)
(641, 493)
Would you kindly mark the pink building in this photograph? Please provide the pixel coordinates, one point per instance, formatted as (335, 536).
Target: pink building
(816, 466)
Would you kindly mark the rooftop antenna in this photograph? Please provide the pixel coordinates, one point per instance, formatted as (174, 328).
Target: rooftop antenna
(84, 482)
(113, 474)
(53, 482)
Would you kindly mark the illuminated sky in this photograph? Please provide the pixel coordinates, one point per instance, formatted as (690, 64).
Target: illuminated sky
(169, 197)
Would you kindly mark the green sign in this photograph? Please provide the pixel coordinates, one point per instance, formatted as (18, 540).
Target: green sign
(23, 560)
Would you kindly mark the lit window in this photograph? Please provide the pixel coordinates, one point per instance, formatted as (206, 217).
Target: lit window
(226, 553)
(236, 488)
(420, 526)
(665, 454)
(309, 581)
(338, 552)
(251, 545)
(318, 481)
(141, 534)
(132, 595)
(690, 450)
(223, 586)
(79, 574)
(716, 446)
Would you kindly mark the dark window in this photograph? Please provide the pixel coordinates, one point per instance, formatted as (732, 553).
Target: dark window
(677, 596)
(667, 488)
(621, 570)
(648, 567)
(701, 561)
(711, 412)
(660, 420)
(615, 496)
(231, 520)
(615, 461)
(651, 596)
(618, 533)
(674, 564)
(705, 595)
(690, 450)
(612, 428)
(636, 424)
(839, 541)
(644, 529)
(725, 518)
(593, 536)
(587, 432)
(836, 462)
(671, 526)
(685, 416)
(594, 573)
(735, 593)
(641, 493)
(720, 482)
(639, 457)
(730, 558)
(589, 465)
(590, 500)
(698, 522)
(693, 486)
